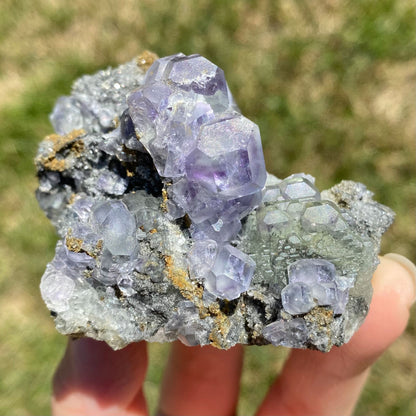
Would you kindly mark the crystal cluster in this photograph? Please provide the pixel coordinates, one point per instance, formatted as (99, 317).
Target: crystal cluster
(170, 228)
(314, 282)
(211, 157)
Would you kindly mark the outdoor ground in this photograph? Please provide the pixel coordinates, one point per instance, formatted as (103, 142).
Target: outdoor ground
(330, 83)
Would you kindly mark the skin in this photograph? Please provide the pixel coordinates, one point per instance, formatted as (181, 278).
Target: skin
(92, 379)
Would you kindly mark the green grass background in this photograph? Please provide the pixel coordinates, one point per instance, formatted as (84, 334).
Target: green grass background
(330, 83)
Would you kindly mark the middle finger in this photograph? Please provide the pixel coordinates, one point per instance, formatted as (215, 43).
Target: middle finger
(201, 381)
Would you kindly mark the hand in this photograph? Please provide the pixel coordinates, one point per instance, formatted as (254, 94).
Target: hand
(92, 379)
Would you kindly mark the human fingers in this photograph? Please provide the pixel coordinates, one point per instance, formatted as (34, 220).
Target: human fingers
(315, 383)
(93, 379)
(201, 381)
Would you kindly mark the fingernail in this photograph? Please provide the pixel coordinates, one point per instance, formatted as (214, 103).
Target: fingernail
(409, 267)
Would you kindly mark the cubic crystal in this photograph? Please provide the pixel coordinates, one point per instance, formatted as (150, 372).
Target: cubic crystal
(314, 282)
(293, 333)
(297, 298)
(231, 167)
(299, 188)
(231, 273)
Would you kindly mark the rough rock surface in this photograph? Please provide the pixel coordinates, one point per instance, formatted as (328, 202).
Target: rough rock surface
(170, 227)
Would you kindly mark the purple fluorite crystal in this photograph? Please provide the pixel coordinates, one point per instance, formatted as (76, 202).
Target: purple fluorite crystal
(209, 154)
(231, 273)
(291, 333)
(314, 282)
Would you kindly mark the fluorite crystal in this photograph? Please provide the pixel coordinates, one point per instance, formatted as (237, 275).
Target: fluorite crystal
(170, 227)
(208, 152)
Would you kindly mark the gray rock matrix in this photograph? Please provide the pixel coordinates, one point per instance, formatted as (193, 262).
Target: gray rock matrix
(127, 269)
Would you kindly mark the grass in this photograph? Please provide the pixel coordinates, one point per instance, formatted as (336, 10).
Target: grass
(330, 85)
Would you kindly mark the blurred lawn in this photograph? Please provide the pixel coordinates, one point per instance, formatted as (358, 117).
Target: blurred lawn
(330, 83)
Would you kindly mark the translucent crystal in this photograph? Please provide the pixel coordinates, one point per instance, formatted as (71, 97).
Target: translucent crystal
(297, 298)
(209, 153)
(220, 230)
(233, 167)
(268, 220)
(293, 333)
(311, 271)
(319, 215)
(110, 183)
(314, 282)
(184, 325)
(202, 256)
(196, 201)
(197, 73)
(69, 263)
(231, 273)
(56, 289)
(299, 188)
(271, 190)
(157, 70)
(66, 115)
(175, 101)
(117, 227)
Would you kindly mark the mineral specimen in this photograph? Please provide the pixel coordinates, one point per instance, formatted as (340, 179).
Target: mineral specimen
(170, 227)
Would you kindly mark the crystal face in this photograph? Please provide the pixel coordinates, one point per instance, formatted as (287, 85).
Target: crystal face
(171, 228)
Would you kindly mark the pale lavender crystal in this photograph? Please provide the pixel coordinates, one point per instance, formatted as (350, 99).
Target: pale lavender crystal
(292, 333)
(325, 294)
(82, 208)
(56, 289)
(69, 263)
(341, 302)
(231, 273)
(117, 226)
(209, 154)
(241, 207)
(297, 298)
(311, 271)
(228, 158)
(128, 133)
(196, 73)
(202, 256)
(220, 230)
(157, 70)
(184, 328)
(195, 200)
(314, 282)
(111, 183)
(179, 95)
(66, 115)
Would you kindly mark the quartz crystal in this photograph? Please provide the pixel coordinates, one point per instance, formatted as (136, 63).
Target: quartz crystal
(171, 228)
